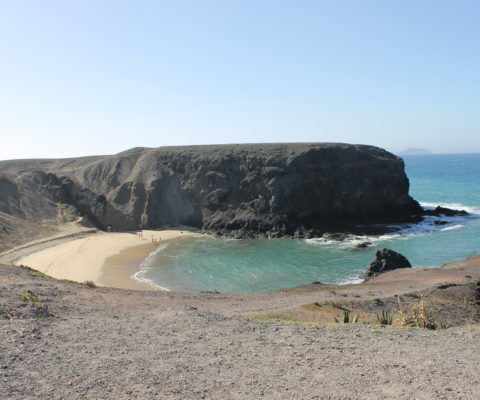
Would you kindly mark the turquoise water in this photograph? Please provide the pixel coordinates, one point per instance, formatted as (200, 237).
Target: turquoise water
(262, 265)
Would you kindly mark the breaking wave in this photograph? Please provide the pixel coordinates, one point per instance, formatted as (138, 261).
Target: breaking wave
(406, 231)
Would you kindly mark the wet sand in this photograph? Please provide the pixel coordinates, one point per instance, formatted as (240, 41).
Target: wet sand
(118, 270)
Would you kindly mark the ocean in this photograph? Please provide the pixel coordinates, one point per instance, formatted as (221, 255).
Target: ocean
(263, 265)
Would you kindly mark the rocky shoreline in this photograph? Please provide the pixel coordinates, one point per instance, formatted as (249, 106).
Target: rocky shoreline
(343, 230)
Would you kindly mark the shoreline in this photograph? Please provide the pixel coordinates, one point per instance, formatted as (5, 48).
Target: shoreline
(106, 259)
(111, 260)
(119, 269)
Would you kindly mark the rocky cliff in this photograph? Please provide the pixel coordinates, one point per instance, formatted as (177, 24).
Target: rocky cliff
(297, 189)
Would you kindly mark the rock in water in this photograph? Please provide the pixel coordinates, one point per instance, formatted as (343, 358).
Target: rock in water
(246, 190)
(445, 212)
(363, 245)
(386, 260)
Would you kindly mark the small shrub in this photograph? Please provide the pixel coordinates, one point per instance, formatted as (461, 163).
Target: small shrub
(90, 284)
(422, 317)
(29, 297)
(385, 319)
(419, 316)
(347, 319)
(68, 212)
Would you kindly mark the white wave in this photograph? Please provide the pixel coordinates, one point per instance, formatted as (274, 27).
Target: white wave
(353, 240)
(144, 266)
(350, 280)
(408, 230)
(149, 281)
(452, 228)
(403, 232)
(453, 206)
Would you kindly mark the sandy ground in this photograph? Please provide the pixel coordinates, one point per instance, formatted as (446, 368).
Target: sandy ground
(107, 259)
(74, 342)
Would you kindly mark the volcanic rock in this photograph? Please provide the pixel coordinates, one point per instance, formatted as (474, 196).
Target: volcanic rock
(446, 212)
(363, 245)
(249, 190)
(386, 260)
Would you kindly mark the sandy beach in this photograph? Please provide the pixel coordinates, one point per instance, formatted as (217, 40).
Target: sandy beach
(105, 258)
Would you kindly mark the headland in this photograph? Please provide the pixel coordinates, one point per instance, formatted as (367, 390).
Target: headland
(64, 339)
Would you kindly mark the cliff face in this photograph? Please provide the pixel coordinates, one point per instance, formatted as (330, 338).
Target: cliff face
(239, 190)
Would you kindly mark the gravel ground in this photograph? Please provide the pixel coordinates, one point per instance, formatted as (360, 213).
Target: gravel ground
(79, 343)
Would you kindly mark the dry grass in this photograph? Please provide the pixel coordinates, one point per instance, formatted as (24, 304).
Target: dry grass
(419, 315)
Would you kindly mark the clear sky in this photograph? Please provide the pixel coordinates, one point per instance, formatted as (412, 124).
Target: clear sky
(98, 77)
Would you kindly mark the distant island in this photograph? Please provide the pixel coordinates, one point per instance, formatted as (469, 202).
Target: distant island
(411, 151)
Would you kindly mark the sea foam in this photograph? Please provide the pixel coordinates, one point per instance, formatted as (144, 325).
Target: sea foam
(453, 206)
(145, 265)
(407, 231)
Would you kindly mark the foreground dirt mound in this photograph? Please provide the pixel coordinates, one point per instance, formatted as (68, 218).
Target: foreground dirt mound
(106, 343)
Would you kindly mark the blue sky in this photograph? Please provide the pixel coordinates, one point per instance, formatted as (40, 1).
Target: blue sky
(99, 77)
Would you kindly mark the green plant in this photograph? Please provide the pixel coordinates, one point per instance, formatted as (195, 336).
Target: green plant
(90, 284)
(68, 212)
(385, 319)
(39, 274)
(29, 297)
(347, 319)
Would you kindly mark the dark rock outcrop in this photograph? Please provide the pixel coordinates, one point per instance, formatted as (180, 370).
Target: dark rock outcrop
(363, 245)
(272, 190)
(386, 260)
(445, 212)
